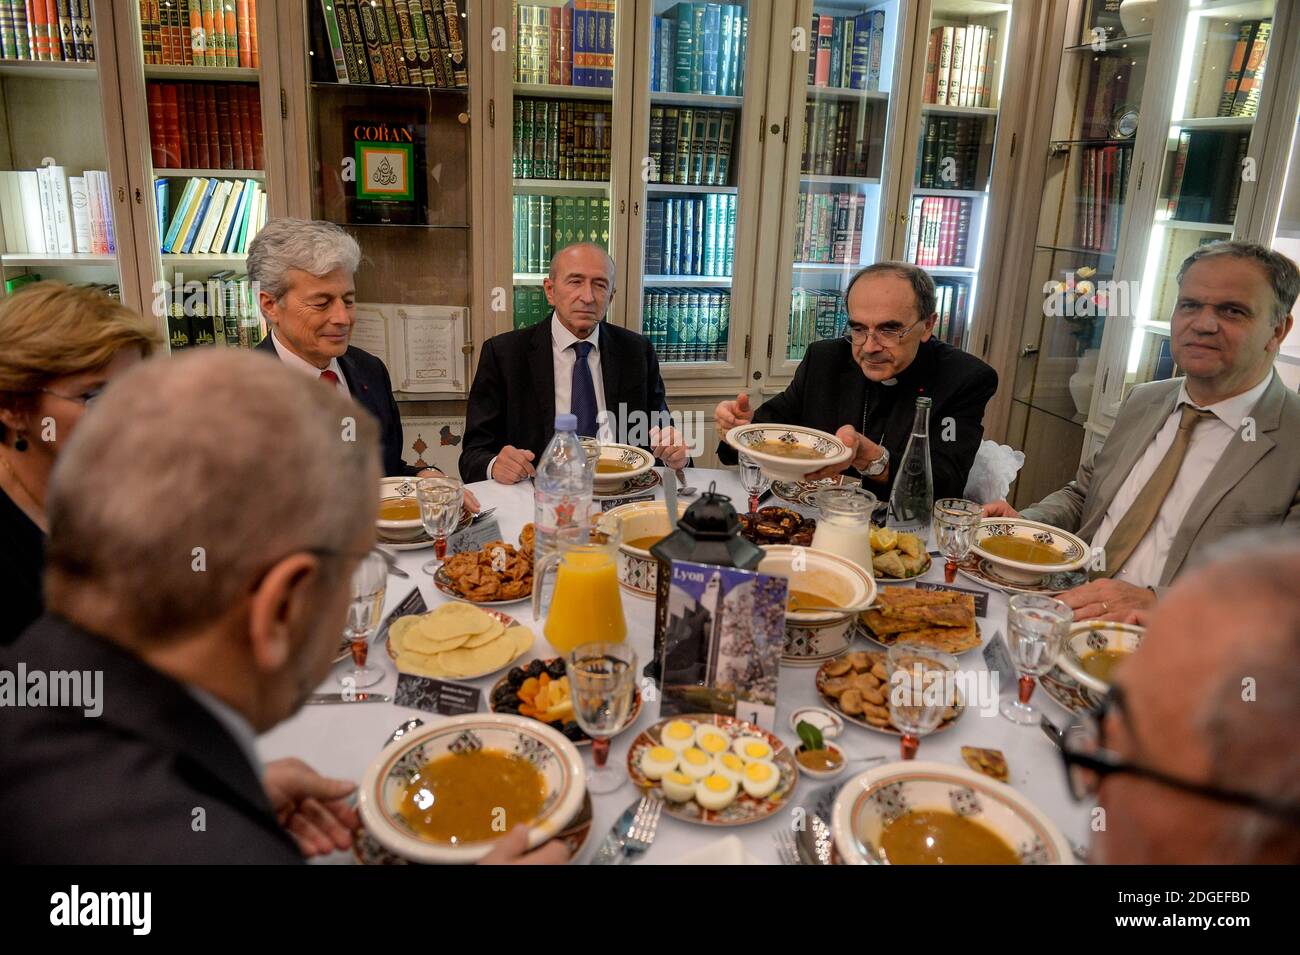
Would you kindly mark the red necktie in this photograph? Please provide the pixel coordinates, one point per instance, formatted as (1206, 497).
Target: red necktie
(329, 378)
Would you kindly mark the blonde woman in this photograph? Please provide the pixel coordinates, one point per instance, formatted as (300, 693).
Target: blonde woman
(60, 347)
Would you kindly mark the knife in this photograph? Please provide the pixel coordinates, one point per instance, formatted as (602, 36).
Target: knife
(611, 850)
(349, 698)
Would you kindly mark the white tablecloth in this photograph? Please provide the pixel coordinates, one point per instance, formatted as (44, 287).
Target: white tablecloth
(341, 740)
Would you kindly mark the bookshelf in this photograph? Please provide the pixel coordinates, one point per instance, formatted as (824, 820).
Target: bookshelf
(62, 195)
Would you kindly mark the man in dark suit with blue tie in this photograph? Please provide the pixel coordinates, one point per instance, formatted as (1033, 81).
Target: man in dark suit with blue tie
(575, 362)
(304, 271)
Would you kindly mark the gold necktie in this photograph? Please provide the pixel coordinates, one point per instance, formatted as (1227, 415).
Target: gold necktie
(1137, 520)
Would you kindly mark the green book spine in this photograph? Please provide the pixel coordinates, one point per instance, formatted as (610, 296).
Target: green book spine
(534, 244)
(516, 134)
(518, 214)
(729, 235)
(526, 140)
(684, 72)
(726, 133)
(361, 62)
(668, 173)
(699, 12)
(710, 233)
(656, 142)
(713, 131)
(548, 237)
(685, 124)
(541, 110)
(699, 143)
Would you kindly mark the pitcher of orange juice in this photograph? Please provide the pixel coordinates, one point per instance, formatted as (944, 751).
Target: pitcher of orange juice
(587, 605)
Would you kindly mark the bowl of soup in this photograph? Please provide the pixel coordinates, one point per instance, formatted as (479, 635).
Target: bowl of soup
(1096, 648)
(788, 452)
(399, 511)
(825, 594)
(644, 523)
(1023, 551)
(927, 813)
(619, 463)
(446, 793)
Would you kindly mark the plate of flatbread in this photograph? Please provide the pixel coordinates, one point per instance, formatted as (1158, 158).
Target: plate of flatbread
(943, 620)
(456, 641)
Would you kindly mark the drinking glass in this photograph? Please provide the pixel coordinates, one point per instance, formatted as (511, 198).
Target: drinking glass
(1036, 628)
(753, 480)
(921, 689)
(441, 501)
(602, 683)
(955, 524)
(364, 614)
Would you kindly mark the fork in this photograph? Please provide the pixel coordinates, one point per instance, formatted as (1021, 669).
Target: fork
(644, 824)
(785, 847)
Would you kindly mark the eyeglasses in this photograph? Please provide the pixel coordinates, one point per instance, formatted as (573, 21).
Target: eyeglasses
(87, 397)
(889, 335)
(1087, 762)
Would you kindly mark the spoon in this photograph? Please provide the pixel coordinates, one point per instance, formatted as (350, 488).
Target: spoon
(682, 487)
(402, 730)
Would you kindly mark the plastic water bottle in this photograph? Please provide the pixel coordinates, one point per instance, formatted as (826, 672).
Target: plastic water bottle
(561, 489)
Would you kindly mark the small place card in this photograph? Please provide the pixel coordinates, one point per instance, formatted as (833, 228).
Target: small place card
(998, 659)
(436, 696)
(981, 597)
(611, 503)
(474, 536)
(412, 603)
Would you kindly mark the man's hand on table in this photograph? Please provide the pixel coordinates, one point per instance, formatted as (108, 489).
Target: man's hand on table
(1111, 600)
(311, 807)
(864, 451)
(513, 850)
(512, 465)
(470, 500)
(669, 447)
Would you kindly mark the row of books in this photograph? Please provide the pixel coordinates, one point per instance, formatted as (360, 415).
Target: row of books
(396, 42)
(211, 216)
(571, 45)
(55, 30)
(699, 48)
(950, 152)
(829, 227)
(692, 146)
(846, 52)
(691, 235)
(204, 125)
(545, 224)
(47, 212)
(687, 324)
(530, 305)
(1103, 188)
(950, 300)
(1205, 181)
(960, 65)
(14, 282)
(220, 310)
(837, 139)
(199, 32)
(815, 315)
(1244, 77)
(561, 139)
(938, 231)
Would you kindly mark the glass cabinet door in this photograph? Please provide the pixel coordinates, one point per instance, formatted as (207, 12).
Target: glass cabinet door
(388, 135)
(1286, 239)
(1221, 74)
(960, 92)
(562, 162)
(60, 194)
(689, 185)
(1074, 284)
(204, 83)
(832, 221)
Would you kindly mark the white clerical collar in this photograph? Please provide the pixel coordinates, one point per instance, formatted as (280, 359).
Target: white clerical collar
(563, 338)
(1231, 411)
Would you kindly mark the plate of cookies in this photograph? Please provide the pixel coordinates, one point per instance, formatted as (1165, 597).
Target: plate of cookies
(856, 686)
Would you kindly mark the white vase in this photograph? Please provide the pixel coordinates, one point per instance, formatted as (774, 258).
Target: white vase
(1137, 16)
(1083, 379)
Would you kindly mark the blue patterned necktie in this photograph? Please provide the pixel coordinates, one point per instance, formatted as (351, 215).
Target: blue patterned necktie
(582, 395)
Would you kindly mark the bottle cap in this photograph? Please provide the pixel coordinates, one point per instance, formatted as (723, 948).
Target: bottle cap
(566, 422)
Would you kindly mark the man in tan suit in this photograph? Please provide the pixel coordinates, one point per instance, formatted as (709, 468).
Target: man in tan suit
(1191, 459)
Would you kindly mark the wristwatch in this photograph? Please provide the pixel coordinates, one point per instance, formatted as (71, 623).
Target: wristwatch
(878, 466)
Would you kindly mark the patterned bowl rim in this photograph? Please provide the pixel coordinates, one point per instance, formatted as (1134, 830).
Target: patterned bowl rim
(370, 798)
(846, 568)
(625, 451)
(780, 466)
(848, 803)
(1073, 539)
(1067, 661)
(634, 509)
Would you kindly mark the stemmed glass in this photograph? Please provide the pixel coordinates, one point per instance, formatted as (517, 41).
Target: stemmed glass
(441, 501)
(602, 683)
(364, 614)
(921, 689)
(955, 524)
(1037, 627)
(753, 480)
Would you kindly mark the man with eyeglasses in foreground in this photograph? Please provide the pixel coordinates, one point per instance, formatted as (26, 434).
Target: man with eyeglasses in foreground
(863, 386)
(1192, 757)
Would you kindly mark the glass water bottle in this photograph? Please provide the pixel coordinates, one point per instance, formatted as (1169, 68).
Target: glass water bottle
(912, 499)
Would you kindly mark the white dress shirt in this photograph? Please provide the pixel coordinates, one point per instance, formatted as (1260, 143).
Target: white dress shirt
(307, 368)
(1210, 439)
(563, 359)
